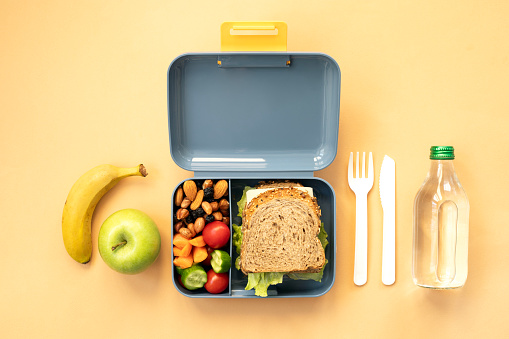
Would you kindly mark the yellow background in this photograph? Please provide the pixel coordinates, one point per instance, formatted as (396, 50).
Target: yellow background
(84, 83)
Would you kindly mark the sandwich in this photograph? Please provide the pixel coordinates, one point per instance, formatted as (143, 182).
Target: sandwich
(281, 234)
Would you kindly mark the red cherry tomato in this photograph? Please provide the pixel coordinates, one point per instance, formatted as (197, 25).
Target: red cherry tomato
(216, 282)
(180, 281)
(216, 234)
(206, 262)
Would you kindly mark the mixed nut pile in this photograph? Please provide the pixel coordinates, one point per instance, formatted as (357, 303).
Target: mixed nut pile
(199, 203)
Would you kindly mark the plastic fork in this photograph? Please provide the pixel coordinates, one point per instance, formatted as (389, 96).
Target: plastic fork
(361, 186)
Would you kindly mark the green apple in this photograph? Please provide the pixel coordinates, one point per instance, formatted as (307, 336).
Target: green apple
(129, 241)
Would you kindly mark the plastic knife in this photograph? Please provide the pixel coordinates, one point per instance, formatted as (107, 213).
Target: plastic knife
(387, 185)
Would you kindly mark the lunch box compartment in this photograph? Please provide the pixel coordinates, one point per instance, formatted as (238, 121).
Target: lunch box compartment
(291, 288)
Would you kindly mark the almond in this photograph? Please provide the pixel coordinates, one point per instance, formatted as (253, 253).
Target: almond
(206, 207)
(220, 188)
(179, 196)
(190, 189)
(197, 201)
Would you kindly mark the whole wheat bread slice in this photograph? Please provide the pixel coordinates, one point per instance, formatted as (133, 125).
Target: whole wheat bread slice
(280, 229)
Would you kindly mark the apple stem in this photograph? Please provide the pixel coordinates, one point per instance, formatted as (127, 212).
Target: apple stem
(119, 244)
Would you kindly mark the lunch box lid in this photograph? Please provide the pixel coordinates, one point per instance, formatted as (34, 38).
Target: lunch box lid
(242, 112)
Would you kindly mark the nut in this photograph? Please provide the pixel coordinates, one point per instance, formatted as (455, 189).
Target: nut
(224, 204)
(185, 203)
(220, 188)
(206, 207)
(226, 220)
(190, 189)
(179, 195)
(198, 200)
(225, 213)
(186, 233)
(214, 205)
(182, 213)
(199, 224)
(218, 216)
(207, 183)
(191, 229)
(178, 226)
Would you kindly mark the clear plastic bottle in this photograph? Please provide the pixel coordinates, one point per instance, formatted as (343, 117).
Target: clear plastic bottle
(441, 210)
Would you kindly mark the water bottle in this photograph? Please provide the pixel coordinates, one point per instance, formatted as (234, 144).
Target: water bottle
(440, 242)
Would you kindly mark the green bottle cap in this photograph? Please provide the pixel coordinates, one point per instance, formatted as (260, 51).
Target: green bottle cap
(441, 153)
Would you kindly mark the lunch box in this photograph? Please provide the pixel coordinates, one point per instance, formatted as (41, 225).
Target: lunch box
(255, 112)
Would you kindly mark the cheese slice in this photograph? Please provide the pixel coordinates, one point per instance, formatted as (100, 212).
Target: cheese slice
(255, 192)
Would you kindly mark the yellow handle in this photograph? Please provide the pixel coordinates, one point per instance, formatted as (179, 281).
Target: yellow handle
(237, 27)
(253, 36)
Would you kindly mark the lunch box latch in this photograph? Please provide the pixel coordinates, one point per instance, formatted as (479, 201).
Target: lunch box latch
(253, 36)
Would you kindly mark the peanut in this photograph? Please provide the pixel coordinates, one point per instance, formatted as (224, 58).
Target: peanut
(218, 216)
(199, 224)
(185, 203)
(224, 204)
(191, 229)
(182, 213)
(186, 233)
(206, 207)
(178, 226)
(207, 183)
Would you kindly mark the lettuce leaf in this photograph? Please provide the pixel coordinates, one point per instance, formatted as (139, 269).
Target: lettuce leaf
(237, 237)
(237, 242)
(242, 202)
(261, 281)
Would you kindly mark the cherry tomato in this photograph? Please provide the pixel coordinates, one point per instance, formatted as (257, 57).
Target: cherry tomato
(206, 262)
(216, 282)
(180, 281)
(216, 234)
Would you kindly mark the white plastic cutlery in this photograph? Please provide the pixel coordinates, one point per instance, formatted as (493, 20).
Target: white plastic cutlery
(361, 186)
(387, 185)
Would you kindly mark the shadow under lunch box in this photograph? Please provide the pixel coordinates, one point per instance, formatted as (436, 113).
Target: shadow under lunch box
(247, 117)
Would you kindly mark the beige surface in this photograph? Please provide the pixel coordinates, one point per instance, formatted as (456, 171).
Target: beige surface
(84, 83)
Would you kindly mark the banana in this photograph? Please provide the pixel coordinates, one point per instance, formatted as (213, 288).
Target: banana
(81, 202)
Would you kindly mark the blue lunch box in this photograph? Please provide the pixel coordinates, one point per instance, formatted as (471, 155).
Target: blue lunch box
(248, 117)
